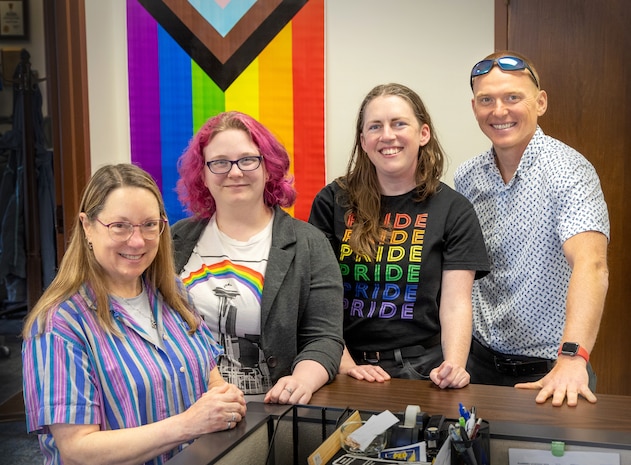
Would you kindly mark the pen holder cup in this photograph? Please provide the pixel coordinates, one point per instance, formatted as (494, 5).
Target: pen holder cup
(473, 452)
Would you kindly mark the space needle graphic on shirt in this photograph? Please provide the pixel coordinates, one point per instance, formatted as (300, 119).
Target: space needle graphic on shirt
(249, 379)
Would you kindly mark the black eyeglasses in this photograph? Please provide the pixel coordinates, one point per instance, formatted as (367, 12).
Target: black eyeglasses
(506, 63)
(249, 163)
(121, 231)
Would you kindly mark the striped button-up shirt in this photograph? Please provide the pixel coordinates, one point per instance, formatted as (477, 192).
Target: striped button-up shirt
(75, 372)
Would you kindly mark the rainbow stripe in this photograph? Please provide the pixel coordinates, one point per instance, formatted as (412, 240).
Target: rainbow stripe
(171, 97)
(228, 270)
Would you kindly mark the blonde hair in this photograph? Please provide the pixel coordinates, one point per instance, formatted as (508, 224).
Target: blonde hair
(79, 266)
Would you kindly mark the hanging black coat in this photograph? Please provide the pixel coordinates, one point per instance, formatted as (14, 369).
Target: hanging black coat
(13, 271)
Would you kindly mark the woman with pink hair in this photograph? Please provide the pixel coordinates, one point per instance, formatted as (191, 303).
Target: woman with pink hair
(268, 285)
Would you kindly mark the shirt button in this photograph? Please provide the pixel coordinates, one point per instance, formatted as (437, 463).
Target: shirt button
(164, 336)
(182, 369)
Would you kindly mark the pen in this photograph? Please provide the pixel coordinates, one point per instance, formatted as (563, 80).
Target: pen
(463, 411)
(462, 422)
(471, 423)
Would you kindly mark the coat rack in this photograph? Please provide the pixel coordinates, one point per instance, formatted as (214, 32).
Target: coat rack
(25, 89)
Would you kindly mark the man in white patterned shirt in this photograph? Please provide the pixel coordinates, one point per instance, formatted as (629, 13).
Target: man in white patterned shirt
(546, 229)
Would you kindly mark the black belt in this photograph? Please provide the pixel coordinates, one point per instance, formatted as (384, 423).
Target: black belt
(515, 365)
(406, 352)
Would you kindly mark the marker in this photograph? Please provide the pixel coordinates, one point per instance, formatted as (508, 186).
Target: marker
(476, 428)
(463, 434)
(456, 440)
(455, 435)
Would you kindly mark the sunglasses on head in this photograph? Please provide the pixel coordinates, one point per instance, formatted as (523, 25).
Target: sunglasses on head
(506, 63)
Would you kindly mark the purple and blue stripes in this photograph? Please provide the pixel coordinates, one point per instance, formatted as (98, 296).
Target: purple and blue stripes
(78, 373)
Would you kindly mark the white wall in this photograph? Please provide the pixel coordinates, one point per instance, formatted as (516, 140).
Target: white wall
(106, 31)
(429, 45)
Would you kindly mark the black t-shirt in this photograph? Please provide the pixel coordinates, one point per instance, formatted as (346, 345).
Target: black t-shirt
(393, 301)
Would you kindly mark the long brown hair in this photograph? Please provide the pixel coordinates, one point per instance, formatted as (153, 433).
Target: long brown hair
(362, 193)
(79, 266)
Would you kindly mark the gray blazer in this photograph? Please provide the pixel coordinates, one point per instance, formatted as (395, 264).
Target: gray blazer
(301, 306)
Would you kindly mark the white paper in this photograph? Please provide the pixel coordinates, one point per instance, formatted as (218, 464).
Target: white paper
(545, 457)
(444, 454)
(375, 425)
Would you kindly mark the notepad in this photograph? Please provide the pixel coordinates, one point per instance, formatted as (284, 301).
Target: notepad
(545, 457)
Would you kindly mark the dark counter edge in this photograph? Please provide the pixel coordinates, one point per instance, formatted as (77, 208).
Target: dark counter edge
(211, 447)
(571, 436)
(519, 431)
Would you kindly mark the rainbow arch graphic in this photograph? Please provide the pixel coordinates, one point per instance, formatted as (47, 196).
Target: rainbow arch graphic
(225, 269)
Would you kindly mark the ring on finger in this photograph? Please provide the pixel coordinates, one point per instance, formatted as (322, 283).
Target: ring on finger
(229, 425)
(234, 417)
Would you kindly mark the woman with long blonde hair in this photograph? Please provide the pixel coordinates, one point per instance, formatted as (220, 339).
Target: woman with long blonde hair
(117, 363)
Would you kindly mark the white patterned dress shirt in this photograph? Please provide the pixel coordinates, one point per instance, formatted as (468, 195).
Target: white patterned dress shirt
(555, 193)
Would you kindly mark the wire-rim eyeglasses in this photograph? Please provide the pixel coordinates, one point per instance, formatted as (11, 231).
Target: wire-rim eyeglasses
(121, 231)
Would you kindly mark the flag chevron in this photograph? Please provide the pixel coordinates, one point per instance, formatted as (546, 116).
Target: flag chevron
(171, 95)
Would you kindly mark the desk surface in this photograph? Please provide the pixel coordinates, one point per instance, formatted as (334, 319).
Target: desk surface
(513, 413)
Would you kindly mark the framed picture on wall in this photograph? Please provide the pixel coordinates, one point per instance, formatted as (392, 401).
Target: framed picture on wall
(13, 19)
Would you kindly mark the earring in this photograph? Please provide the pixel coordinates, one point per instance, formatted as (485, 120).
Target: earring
(89, 245)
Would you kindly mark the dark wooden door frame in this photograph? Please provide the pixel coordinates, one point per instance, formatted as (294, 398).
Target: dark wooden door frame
(66, 68)
(501, 24)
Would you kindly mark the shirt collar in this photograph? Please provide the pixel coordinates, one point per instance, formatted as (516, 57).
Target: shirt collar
(532, 151)
(528, 158)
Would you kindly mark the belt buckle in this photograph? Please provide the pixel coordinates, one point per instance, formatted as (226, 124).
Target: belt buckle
(507, 366)
(371, 359)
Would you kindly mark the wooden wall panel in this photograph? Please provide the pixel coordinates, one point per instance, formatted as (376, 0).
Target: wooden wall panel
(581, 50)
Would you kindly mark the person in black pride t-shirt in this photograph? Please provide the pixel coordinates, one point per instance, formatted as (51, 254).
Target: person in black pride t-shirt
(409, 247)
